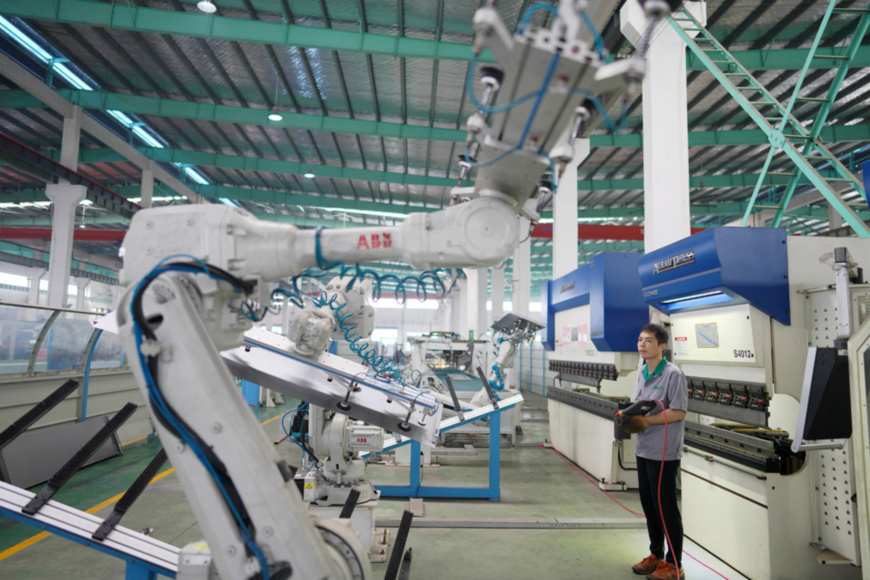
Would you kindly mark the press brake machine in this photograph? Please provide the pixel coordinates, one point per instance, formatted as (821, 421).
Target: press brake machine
(744, 306)
(593, 316)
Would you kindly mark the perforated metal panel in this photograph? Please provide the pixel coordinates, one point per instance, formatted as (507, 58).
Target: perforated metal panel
(838, 523)
(834, 478)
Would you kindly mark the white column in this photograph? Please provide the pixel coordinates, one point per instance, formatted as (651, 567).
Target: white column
(665, 129)
(475, 302)
(521, 281)
(565, 214)
(756, 220)
(82, 285)
(496, 291)
(480, 313)
(35, 276)
(116, 295)
(147, 186)
(72, 132)
(285, 316)
(835, 220)
(460, 313)
(64, 200)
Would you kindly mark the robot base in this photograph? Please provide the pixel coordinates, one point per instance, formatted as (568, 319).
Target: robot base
(363, 523)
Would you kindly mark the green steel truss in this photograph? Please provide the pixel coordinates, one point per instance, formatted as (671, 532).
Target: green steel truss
(844, 62)
(783, 130)
(196, 111)
(339, 204)
(279, 166)
(129, 17)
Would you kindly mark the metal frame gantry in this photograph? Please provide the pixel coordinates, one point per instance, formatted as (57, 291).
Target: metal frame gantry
(785, 132)
(416, 489)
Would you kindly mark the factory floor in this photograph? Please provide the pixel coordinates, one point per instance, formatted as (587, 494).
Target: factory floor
(537, 485)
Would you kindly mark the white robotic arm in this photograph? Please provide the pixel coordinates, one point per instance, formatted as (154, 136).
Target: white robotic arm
(191, 273)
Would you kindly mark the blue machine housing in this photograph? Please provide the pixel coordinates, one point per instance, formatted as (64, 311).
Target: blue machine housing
(721, 266)
(610, 284)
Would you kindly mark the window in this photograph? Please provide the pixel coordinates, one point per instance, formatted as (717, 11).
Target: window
(385, 335)
(388, 303)
(14, 280)
(414, 304)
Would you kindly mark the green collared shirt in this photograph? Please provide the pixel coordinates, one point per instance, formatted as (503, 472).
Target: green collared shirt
(658, 370)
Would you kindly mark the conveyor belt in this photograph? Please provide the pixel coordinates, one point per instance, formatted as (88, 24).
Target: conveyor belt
(60, 519)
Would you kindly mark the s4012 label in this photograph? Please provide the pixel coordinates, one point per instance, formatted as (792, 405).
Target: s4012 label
(743, 354)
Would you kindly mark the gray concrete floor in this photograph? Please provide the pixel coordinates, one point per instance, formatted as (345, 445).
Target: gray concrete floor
(535, 483)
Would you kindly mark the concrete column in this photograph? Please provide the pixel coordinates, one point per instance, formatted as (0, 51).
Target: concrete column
(481, 324)
(82, 285)
(147, 187)
(64, 200)
(521, 282)
(443, 318)
(756, 220)
(116, 295)
(35, 276)
(835, 220)
(496, 291)
(72, 132)
(665, 128)
(565, 214)
(475, 302)
(460, 311)
(285, 315)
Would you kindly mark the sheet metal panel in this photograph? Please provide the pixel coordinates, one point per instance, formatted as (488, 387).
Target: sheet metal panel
(713, 267)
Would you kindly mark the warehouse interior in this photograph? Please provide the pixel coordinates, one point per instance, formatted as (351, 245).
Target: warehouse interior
(352, 288)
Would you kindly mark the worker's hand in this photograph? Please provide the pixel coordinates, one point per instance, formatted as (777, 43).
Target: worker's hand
(636, 424)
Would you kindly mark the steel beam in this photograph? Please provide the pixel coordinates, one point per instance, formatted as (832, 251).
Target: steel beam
(724, 209)
(196, 111)
(729, 73)
(198, 25)
(194, 24)
(95, 192)
(24, 79)
(80, 235)
(845, 63)
(266, 165)
(784, 59)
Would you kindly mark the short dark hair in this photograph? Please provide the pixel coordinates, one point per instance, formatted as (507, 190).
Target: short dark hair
(657, 331)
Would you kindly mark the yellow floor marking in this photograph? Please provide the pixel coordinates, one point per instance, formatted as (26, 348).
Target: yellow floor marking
(42, 535)
(264, 423)
(21, 545)
(143, 438)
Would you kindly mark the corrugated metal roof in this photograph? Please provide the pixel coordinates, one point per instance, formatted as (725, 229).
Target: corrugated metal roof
(400, 90)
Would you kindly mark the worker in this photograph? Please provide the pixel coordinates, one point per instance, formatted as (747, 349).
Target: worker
(661, 381)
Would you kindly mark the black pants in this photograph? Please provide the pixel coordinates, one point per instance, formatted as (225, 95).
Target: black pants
(648, 482)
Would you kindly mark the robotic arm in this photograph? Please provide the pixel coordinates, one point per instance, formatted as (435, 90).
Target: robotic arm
(192, 273)
(508, 333)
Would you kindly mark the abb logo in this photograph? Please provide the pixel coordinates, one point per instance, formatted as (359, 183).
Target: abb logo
(374, 241)
(361, 440)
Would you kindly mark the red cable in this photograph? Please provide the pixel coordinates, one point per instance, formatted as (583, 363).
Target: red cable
(592, 481)
(595, 483)
(705, 565)
(661, 473)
